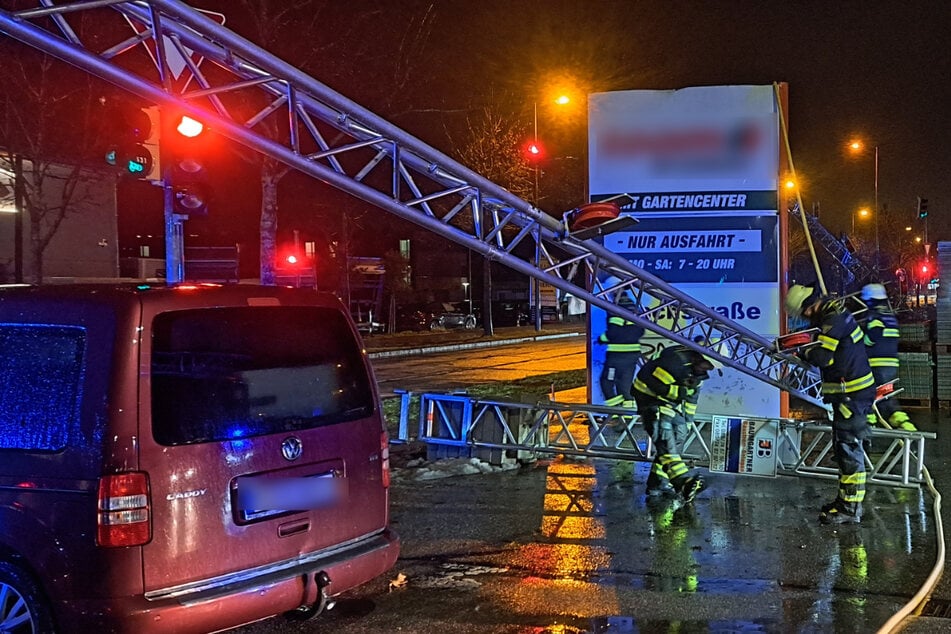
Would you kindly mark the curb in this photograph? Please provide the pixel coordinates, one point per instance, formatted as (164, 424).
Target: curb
(454, 347)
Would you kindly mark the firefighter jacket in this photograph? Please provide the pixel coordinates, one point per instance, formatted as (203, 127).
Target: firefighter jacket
(839, 352)
(622, 336)
(881, 336)
(674, 377)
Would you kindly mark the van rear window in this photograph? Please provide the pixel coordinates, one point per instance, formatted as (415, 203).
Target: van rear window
(227, 373)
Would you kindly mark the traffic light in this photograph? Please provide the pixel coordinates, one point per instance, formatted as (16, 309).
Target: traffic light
(187, 150)
(134, 144)
(534, 152)
(922, 207)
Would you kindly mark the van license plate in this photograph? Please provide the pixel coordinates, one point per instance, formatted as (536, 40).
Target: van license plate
(262, 497)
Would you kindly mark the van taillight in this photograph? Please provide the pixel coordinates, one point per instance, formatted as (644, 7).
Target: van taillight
(385, 455)
(124, 510)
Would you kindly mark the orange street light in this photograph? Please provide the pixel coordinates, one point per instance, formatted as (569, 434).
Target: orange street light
(857, 146)
(535, 149)
(861, 213)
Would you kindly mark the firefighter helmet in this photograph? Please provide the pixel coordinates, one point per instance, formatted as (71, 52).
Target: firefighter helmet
(796, 299)
(873, 291)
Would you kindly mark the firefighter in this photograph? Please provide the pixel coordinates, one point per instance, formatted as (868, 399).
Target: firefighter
(666, 390)
(848, 387)
(881, 339)
(622, 355)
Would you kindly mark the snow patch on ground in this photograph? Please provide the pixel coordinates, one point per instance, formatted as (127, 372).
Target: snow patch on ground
(421, 470)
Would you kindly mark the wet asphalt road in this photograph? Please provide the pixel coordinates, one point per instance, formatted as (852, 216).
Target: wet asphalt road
(573, 546)
(566, 545)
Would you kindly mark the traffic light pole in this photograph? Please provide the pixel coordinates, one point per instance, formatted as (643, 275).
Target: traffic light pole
(174, 239)
(174, 229)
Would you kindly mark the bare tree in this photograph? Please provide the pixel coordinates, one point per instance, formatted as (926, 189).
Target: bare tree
(333, 32)
(46, 131)
(492, 146)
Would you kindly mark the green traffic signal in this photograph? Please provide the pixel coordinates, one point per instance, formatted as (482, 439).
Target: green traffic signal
(134, 150)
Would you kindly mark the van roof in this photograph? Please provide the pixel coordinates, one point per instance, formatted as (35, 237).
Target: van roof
(118, 289)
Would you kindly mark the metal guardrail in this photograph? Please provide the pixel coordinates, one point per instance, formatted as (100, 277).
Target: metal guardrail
(508, 431)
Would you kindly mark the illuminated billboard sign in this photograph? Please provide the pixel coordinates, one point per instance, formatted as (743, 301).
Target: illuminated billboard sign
(699, 168)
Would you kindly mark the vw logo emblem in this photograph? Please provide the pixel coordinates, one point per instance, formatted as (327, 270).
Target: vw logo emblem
(292, 448)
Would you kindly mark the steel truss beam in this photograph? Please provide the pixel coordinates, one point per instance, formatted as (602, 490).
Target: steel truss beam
(854, 267)
(331, 138)
(463, 422)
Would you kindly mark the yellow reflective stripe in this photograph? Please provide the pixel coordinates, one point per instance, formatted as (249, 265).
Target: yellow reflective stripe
(891, 332)
(849, 386)
(859, 477)
(619, 321)
(845, 411)
(829, 343)
(640, 386)
(883, 362)
(663, 375)
(677, 470)
(857, 497)
(860, 383)
(690, 408)
(857, 335)
(614, 400)
(624, 347)
(874, 323)
(667, 410)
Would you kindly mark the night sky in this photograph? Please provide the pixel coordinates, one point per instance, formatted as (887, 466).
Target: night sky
(878, 70)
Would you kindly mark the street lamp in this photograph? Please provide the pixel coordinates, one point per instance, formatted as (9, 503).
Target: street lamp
(536, 153)
(535, 150)
(857, 146)
(862, 213)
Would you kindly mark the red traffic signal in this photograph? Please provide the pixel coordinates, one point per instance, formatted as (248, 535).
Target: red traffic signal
(189, 127)
(188, 177)
(534, 151)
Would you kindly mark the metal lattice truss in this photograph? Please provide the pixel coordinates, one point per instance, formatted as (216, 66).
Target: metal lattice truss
(896, 457)
(242, 92)
(853, 265)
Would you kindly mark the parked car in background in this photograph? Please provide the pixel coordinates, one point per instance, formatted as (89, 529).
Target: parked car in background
(509, 314)
(448, 315)
(184, 458)
(412, 317)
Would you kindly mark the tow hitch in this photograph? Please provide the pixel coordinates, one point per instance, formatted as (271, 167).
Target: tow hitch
(323, 602)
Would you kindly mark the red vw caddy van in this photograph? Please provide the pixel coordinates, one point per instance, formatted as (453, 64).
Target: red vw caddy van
(184, 459)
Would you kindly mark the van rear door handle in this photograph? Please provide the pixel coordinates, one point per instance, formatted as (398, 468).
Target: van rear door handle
(292, 528)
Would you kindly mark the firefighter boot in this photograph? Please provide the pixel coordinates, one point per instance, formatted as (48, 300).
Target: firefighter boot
(691, 487)
(841, 512)
(659, 486)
